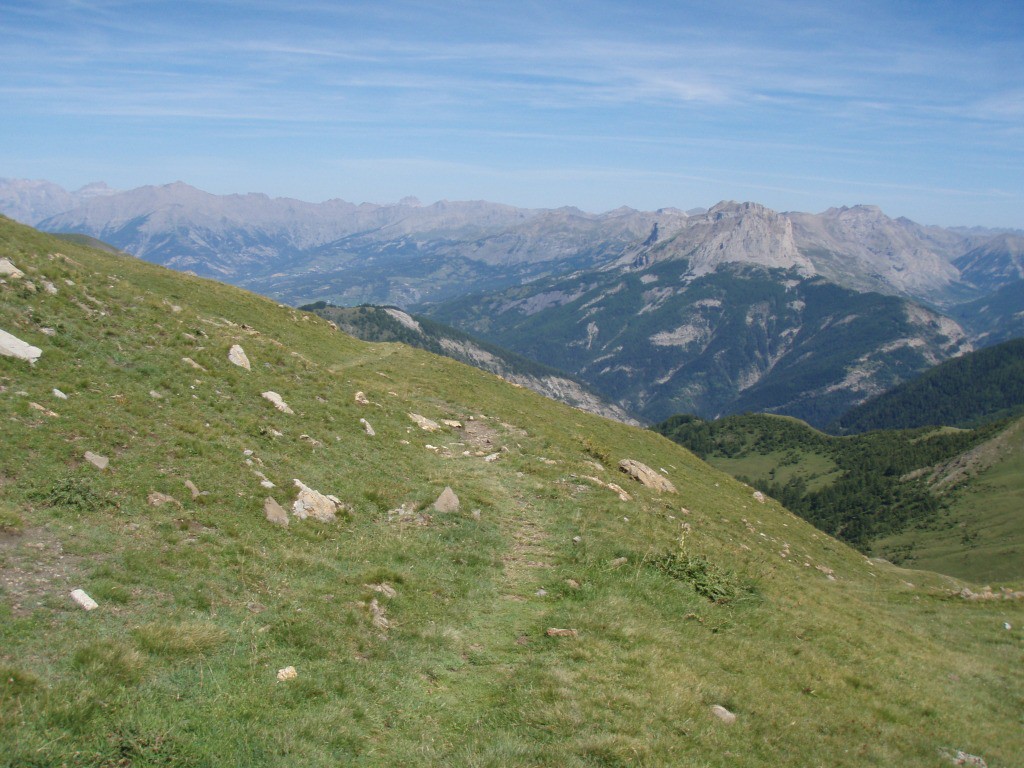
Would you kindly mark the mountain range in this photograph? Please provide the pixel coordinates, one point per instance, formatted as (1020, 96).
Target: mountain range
(710, 311)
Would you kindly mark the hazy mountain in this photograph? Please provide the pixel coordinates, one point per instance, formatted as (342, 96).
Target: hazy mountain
(995, 263)
(408, 253)
(997, 317)
(660, 341)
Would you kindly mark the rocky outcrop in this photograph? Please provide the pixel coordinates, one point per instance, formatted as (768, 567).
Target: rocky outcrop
(310, 503)
(12, 346)
(237, 356)
(646, 476)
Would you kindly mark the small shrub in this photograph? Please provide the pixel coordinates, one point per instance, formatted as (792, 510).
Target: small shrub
(706, 578)
(73, 492)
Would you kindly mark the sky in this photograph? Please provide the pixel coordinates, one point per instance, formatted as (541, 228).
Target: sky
(917, 107)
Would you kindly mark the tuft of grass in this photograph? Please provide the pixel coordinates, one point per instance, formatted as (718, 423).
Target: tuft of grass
(186, 638)
(109, 661)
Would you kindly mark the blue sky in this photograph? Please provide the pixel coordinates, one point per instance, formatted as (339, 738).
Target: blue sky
(914, 106)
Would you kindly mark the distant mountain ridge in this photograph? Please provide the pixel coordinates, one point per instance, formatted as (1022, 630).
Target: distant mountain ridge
(409, 254)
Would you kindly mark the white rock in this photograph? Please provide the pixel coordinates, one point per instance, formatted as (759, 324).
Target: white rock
(723, 714)
(361, 399)
(100, 462)
(7, 269)
(646, 476)
(237, 356)
(84, 600)
(759, 497)
(311, 503)
(49, 287)
(59, 395)
(278, 402)
(189, 361)
(424, 423)
(12, 346)
(367, 427)
(288, 673)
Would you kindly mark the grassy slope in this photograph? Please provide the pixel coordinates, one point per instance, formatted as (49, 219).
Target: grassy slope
(201, 604)
(982, 535)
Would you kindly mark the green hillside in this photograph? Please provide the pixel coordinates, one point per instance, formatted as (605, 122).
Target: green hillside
(419, 636)
(976, 387)
(942, 499)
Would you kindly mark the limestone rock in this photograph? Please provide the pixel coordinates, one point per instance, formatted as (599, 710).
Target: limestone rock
(424, 423)
(646, 476)
(384, 588)
(311, 503)
(50, 288)
(275, 512)
(367, 427)
(190, 362)
(157, 499)
(286, 674)
(618, 562)
(237, 356)
(100, 462)
(361, 399)
(557, 632)
(278, 402)
(43, 409)
(193, 489)
(447, 501)
(723, 714)
(12, 346)
(59, 395)
(7, 269)
(759, 497)
(83, 600)
(380, 621)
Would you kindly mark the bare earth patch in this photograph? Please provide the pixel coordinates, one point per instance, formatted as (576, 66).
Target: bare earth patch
(34, 566)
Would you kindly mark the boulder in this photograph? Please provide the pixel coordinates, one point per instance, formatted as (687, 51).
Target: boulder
(12, 346)
(275, 512)
(286, 674)
(237, 356)
(311, 503)
(447, 501)
(361, 399)
(646, 476)
(367, 427)
(7, 269)
(278, 402)
(157, 499)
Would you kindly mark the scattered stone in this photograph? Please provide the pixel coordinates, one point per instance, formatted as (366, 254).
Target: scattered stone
(492, 457)
(84, 600)
(618, 562)
(384, 588)
(646, 476)
(193, 363)
(288, 673)
(310, 503)
(155, 395)
(278, 402)
(407, 513)
(447, 501)
(987, 594)
(48, 331)
(7, 269)
(380, 621)
(368, 428)
(50, 288)
(541, 592)
(424, 423)
(100, 462)
(59, 395)
(723, 714)
(623, 496)
(12, 346)
(275, 512)
(361, 399)
(827, 571)
(237, 356)
(573, 584)
(476, 514)
(556, 632)
(311, 440)
(452, 423)
(577, 539)
(43, 409)
(193, 489)
(963, 758)
(1007, 626)
(759, 497)
(157, 499)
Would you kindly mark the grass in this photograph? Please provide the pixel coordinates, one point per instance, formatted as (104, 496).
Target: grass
(202, 601)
